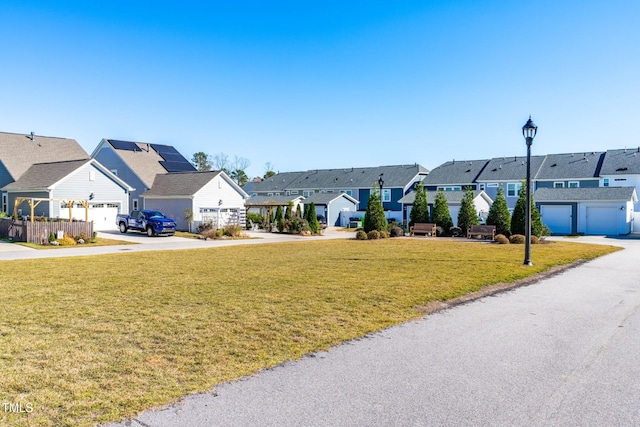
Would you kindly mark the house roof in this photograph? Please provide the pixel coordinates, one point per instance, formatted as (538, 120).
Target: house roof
(585, 194)
(458, 172)
(502, 169)
(271, 200)
(148, 160)
(340, 179)
(43, 176)
(621, 162)
(453, 197)
(570, 165)
(326, 198)
(18, 152)
(185, 184)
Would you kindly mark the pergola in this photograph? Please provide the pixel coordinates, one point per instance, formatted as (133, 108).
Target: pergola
(35, 201)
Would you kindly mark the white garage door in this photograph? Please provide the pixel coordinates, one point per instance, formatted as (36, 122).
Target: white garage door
(602, 220)
(557, 218)
(103, 215)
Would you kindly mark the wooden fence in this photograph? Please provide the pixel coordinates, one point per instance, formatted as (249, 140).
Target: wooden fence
(38, 232)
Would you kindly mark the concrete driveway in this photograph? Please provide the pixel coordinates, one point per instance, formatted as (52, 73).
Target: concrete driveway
(563, 351)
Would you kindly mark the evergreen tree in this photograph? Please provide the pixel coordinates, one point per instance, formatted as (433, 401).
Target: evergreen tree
(288, 212)
(441, 215)
(298, 211)
(518, 220)
(499, 214)
(420, 207)
(279, 219)
(467, 216)
(311, 217)
(374, 218)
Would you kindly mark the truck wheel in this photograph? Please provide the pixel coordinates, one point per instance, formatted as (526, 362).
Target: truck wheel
(150, 232)
(123, 227)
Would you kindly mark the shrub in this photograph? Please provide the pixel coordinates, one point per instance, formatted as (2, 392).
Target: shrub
(441, 214)
(455, 231)
(373, 235)
(254, 218)
(52, 237)
(396, 231)
(209, 234)
(296, 225)
(440, 232)
(467, 216)
(205, 226)
(384, 235)
(499, 214)
(233, 230)
(502, 239)
(517, 239)
(82, 236)
(374, 218)
(534, 240)
(361, 235)
(219, 233)
(67, 240)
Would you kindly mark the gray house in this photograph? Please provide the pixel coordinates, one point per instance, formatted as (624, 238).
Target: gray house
(481, 201)
(621, 168)
(78, 189)
(355, 182)
(211, 197)
(138, 163)
(336, 208)
(18, 152)
(455, 175)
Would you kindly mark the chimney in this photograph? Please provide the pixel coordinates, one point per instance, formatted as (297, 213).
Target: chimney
(33, 136)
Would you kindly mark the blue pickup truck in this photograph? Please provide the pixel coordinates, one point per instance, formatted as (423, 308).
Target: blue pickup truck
(154, 223)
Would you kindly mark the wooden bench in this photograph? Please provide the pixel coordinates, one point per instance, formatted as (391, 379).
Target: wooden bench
(422, 228)
(482, 231)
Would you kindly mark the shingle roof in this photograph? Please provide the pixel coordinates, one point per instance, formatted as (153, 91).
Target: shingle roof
(340, 179)
(453, 197)
(326, 198)
(18, 152)
(179, 184)
(585, 194)
(271, 200)
(621, 162)
(143, 159)
(457, 172)
(570, 165)
(44, 175)
(502, 169)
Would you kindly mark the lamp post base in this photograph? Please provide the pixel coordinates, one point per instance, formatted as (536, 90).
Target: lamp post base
(527, 262)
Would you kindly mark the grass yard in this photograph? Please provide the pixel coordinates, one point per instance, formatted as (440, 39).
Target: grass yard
(100, 241)
(88, 340)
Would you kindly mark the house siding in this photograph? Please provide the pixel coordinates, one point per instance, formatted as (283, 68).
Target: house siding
(110, 160)
(172, 208)
(41, 210)
(582, 183)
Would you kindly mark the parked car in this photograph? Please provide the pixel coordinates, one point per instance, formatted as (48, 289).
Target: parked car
(322, 221)
(154, 223)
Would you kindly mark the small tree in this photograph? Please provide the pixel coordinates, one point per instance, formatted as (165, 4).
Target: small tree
(441, 215)
(467, 216)
(311, 217)
(374, 218)
(298, 211)
(279, 219)
(499, 214)
(518, 221)
(288, 212)
(188, 216)
(420, 207)
(201, 161)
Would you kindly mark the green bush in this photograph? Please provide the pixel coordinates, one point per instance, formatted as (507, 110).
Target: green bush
(361, 235)
(296, 225)
(254, 218)
(384, 234)
(374, 218)
(373, 235)
(517, 239)
(52, 237)
(232, 230)
(396, 231)
(502, 239)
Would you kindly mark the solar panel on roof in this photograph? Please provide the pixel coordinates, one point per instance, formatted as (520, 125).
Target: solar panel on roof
(124, 145)
(160, 149)
(171, 157)
(178, 166)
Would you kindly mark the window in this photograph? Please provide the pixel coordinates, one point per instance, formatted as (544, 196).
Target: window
(605, 182)
(492, 185)
(574, 184)
(347, 192)
(4, 203)
(481, 187)
(386, 195)
(558, 185)
(135, 204)
(294, 191)
(269, 194)
(513, 188)
(307, 193)
(450, 188)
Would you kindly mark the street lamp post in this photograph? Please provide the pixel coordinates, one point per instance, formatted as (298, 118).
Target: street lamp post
(529, 131)
(380, 183)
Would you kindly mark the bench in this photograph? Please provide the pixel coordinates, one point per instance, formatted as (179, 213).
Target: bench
(482, 231)
(422, 228)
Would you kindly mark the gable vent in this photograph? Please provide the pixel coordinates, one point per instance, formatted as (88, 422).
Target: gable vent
(621, 169)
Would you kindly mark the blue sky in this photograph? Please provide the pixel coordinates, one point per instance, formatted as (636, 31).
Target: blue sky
(306, 85)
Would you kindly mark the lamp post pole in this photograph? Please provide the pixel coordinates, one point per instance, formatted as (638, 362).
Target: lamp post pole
(381, 183)
(529, 131)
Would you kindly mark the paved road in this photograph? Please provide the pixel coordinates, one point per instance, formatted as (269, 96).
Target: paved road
(564, 351)
(10, 251)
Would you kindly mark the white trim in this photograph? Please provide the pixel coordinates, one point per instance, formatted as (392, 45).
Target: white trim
(574, 184)
(558, 184)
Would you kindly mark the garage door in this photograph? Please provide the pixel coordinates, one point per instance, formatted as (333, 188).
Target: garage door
(103, 215)
(557, 218)
(602, 220)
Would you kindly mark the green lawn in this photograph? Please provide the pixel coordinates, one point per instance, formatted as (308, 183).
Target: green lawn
(88, 340)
